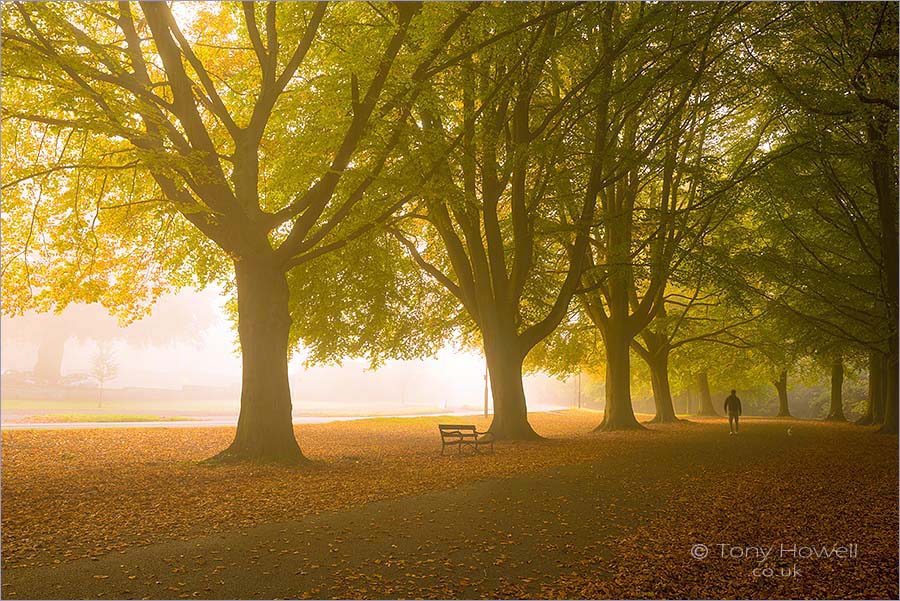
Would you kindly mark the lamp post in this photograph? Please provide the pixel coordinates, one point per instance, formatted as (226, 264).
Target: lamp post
(579, 390)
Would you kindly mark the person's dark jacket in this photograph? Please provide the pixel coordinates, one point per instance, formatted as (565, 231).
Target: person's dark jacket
(733, 405)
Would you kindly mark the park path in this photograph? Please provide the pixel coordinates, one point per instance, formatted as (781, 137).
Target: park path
(512, 538)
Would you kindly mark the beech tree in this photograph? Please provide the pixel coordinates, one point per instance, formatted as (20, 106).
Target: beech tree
(775, 351)
(838, 88)
(836, 408)
(661, 192)
(489, 228)
(685, 321)
(877, 380)
(153, 145)
(705, 407)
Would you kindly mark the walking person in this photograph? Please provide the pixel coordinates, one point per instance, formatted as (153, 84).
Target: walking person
(733, 409)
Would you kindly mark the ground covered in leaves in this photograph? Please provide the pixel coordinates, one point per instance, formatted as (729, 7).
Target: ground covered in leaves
(382, 514)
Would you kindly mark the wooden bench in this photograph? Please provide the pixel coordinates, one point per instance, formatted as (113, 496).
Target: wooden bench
(464, 435)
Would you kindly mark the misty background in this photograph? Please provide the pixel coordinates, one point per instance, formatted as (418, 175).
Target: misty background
(183, 358)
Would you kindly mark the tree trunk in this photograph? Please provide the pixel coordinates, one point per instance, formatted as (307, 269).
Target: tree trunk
(889, 426)
(884, 149)
(510, 411)
(836, 411)
(881, 387)
(662, 391)
(706, 406)
(784, 410)
(618, 415)
(48, 367)
(264, 432)
(876, 380)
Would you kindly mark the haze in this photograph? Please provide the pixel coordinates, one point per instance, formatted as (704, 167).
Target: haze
(186, 352)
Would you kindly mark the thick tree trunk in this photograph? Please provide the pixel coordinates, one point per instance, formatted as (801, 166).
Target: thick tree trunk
(620, 329)
(881, 387)
(264, 432)
(884, 149)
(510, 420)
(836, 410)
(889, 426)
(784, 409)
(706, 406)
(662, 391)
(876, 381)
(618, 415)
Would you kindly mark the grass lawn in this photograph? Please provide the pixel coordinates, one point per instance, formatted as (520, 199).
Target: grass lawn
(111, 402)
(24, 409)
